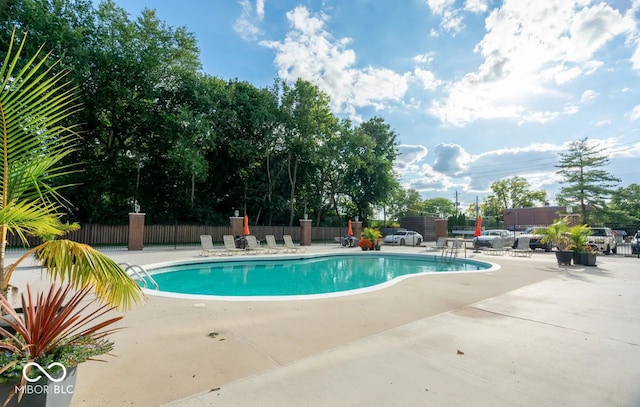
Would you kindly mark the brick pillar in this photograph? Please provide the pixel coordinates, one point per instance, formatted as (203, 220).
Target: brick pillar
(305, 232)
(442, 228)
(357, 228)
(136, 231)
(237, 225)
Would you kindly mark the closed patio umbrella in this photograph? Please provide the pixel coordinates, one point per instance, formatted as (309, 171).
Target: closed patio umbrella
(478, 231)
(349, 228)
(246, 226)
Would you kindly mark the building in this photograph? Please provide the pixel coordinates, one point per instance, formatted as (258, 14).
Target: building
(521, 218)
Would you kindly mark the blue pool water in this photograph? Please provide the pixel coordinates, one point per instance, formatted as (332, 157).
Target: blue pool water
(300, 276)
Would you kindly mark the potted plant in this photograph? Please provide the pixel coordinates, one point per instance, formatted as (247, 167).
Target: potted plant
(55, 332)
(578, 235)
(372, 236)
(556, 234)
(365, 244)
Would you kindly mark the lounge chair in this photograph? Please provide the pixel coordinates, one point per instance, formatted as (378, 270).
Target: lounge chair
(522, 249)
(253, 247)
(440, 245)
(273, 245)
(288, 243)
(497, 247)
(207, 249)
(230, 245)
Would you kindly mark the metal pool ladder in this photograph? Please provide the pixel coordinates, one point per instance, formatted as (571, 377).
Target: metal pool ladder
(139, 273)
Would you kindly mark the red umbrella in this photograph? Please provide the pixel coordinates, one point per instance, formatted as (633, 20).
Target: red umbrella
(478, 231)
(349, 228)
(246, 226)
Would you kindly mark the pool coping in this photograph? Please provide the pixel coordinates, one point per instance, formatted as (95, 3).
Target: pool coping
(298, 256)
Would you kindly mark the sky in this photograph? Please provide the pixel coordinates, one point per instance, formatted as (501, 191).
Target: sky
(476, 90)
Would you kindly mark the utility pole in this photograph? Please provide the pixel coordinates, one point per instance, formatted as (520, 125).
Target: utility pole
(457, 204)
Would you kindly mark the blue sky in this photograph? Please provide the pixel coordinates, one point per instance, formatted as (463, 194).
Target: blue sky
(477, 90)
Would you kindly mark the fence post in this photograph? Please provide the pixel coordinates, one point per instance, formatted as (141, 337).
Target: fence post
(136, 231)
(305, 232)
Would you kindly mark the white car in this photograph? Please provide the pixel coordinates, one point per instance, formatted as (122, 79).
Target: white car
(405, 237)
(603, 240)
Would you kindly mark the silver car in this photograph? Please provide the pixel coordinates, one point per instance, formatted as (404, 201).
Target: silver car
(488, 238)
(405, 237)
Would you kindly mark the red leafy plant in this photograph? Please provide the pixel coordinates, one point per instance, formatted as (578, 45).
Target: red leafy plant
(56, 326)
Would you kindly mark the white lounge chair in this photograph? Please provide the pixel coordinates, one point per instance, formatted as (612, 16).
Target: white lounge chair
(273, 245)
(230, 245)
(207, 248)
(522, 249)
(253, 247)
(497, 247)
(440, 245)
(288, 243)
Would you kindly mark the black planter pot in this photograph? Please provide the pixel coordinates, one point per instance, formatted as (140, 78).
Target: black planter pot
(577, 258)
(564, 257)
(589, 259)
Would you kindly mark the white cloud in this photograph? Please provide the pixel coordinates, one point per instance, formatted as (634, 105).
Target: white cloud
(531, 47)
(311, 53)
(634, 114)
(476, 6)
(439, 7)
(409, 158)
(589, 96)
(427, 78)
(451, 159)
(423, 59)
(247, 25)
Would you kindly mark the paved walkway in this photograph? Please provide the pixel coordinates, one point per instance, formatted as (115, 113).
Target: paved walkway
(528, 334)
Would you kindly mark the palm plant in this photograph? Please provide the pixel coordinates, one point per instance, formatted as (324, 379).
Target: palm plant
(35, 102)
(556, 233)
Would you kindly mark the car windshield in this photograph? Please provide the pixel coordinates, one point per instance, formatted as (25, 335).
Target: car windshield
(598, 232)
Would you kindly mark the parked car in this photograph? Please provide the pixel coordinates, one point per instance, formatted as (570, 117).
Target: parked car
(408, 237)
(535, 240)
(635, 243)
(603, 240)
(489, 237)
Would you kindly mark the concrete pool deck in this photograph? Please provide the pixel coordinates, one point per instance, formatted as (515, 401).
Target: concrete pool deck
(530, 333)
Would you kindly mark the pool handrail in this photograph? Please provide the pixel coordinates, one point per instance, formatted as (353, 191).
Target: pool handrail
(134, 268)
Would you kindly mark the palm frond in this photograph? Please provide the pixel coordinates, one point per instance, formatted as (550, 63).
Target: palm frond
(82, 265)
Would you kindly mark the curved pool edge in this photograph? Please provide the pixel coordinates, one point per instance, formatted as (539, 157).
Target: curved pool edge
(202, 297)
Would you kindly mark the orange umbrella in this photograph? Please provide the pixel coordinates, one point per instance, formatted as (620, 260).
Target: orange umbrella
(246, 226)
(349, 228)
(478, 231)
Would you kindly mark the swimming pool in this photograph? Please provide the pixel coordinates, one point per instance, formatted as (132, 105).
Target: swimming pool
(304, 277)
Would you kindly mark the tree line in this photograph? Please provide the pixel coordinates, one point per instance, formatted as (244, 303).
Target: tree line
(191, 147)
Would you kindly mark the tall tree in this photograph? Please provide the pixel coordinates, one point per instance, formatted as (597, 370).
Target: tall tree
(625, 205)
(588, 185)
(370, 165)
(308, 121)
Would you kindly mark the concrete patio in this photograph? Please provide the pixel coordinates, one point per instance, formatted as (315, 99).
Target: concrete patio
(530, 333)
